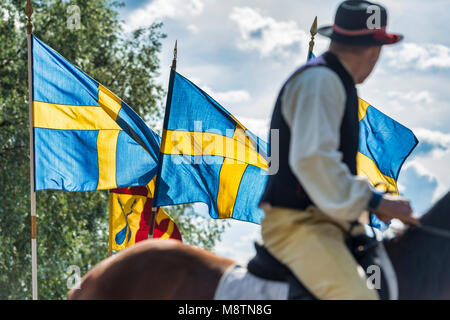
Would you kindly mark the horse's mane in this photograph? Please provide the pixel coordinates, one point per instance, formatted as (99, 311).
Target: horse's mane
(421, 260)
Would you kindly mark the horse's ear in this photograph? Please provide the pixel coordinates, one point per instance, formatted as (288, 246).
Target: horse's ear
(439, 214)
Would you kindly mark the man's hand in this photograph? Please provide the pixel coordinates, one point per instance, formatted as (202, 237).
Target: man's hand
(392, 207)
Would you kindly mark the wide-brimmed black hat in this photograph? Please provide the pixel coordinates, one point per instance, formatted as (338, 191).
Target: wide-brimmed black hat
(358, 22)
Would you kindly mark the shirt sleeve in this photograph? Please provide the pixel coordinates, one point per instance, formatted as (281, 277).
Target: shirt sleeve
(313, 107)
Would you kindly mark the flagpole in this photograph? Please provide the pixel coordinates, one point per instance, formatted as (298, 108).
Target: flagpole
(154, 209)
(29, 13)
(313, 32)
(152, 222)
(174, 61)
(153, 213)
(110, 225)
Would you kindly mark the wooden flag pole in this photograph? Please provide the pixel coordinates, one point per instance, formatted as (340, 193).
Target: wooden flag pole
(152, 214)
(29, 13)
(109, 225)
(152, 222)
(174, 61)
(313, 32)
(154, 209)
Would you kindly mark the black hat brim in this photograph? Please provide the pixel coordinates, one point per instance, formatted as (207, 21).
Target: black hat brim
(364, 40)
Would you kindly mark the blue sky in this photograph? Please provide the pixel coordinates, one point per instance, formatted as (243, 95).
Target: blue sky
(240, 52)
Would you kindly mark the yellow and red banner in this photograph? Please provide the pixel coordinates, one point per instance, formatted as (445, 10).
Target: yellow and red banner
(130, 210)
(165, 227)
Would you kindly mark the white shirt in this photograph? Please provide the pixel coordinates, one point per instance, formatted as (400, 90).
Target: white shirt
(313, 105)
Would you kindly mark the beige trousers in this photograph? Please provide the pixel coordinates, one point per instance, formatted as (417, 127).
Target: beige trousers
(312, 245)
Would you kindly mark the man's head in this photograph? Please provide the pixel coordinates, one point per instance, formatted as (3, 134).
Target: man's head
(357, 35)
(359, 60)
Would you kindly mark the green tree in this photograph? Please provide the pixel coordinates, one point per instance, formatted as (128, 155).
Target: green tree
(72, 228)
(195, 229)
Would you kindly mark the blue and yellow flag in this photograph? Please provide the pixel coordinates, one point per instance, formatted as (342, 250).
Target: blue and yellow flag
(85, 137)
(384, 145)
(207, 156)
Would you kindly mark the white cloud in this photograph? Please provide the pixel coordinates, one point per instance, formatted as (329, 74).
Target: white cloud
(260, 127)
(412, 96)
(433, 144)
(223, 97)
(228, 97)
(432, 158)
(250, 237)
(265, 34)
(421, 184)
(419, 168)
(230, 251)
(237, 242)
(193, 28)
(419, 56)
(434, 137)
(159, 9)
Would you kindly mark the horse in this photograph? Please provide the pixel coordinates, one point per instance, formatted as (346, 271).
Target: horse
(169, 269)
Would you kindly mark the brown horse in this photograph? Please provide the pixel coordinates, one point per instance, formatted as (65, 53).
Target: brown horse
(168, 269)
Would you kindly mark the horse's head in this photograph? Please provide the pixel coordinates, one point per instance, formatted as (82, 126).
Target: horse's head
(439, 215)
(421, 260)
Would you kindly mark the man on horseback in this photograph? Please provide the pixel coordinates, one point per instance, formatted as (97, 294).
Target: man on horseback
(315, 198)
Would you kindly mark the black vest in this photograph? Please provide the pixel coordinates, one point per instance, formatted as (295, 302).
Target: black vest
(283, 189)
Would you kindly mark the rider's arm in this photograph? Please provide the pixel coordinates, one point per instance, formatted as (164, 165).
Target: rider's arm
(313, 107)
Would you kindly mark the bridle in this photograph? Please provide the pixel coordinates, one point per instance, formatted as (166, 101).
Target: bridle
(438, 232)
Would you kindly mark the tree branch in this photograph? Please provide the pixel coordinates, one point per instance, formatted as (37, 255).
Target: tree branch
(116, 75)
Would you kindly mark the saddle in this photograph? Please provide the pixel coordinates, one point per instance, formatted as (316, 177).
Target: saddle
(366, 250)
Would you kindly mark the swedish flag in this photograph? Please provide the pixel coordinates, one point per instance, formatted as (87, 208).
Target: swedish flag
(384, 145)
(85, 137)
(208, 156)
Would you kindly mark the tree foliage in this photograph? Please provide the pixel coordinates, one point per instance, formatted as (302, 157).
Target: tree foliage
(72, 228)
(196, 229)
